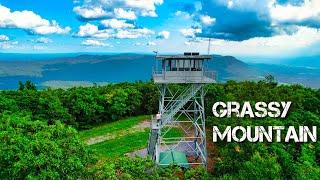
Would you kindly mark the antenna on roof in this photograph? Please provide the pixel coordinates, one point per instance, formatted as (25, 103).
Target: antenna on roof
(209, 46)
(155, 57)
(156, 52)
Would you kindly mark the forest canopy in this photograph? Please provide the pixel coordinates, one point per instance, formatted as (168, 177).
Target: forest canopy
(38, 130)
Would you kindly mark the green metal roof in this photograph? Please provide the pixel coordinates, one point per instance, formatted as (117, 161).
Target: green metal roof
(173, 157)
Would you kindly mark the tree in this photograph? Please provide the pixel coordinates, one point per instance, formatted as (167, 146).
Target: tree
(51, 109)
(7, 104)
(270, 79)
(33, 149)
(21, 86)
(260, 168)
(117, 101)
(85, 105)
(28, 85)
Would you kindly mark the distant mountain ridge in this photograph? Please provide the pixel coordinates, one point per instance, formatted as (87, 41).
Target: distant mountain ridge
(113, 68)
(311, 61)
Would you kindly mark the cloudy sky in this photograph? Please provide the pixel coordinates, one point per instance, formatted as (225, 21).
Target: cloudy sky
(257, 28)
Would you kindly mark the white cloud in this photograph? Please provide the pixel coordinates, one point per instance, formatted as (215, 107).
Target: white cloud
(5, 46)
(30, 21)
(183, 14)
(43, 40)
(230, 4)
(196, 40)
(146, 7)
(91, 12)
(116, 24)
(87, 30)
(123, 9)
(90, 30)
(4, 37)
(309, 10)
(303, 37)
(137, 44)
(287, 12)
(133, 33)
(151, 43)
(207, 20)
(163, 35)
(92, 42)
(190, 32)
(123, 14)
(39, 47)
(259, 6)
(279, 45)
(8, 44)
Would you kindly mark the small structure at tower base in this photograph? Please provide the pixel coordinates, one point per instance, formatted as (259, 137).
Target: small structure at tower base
(173, 157)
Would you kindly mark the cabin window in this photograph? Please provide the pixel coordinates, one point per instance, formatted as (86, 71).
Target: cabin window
(177, 64)
(167, 64)
(192, 65)
(187, 65)
(196, 65)
(180, 66)
(183, 65)
(173, 65)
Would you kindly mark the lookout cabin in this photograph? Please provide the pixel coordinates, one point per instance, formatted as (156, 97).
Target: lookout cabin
(186, 68)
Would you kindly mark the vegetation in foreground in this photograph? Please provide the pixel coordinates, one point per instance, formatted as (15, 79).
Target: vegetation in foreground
(38, 136)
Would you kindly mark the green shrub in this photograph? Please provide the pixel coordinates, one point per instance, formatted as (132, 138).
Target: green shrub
(33, 149)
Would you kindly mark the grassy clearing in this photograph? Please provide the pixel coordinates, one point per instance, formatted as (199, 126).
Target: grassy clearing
(122, 145)
(111, 127)
(123, 138)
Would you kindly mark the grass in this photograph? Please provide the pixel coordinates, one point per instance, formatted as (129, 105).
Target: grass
(119, 146)
(111, 127)
(124, 140)
(173, 132)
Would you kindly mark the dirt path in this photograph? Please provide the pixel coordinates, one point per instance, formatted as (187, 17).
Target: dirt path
(108, 136)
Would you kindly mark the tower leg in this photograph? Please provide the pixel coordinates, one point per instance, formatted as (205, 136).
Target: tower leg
(203, 120)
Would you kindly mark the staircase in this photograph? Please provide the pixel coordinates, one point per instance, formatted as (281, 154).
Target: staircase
(180, 101)
(170, 111)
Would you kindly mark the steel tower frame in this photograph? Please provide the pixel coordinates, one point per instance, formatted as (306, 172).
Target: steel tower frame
(190, 116)
(181, 107)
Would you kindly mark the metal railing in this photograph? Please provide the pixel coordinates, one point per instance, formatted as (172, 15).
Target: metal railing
(185, 75)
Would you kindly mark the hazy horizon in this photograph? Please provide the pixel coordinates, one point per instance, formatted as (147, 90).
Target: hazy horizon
(48, 56)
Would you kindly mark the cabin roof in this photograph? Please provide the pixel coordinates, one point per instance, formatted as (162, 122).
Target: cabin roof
(183, 57)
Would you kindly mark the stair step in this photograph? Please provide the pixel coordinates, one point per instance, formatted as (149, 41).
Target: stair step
(179, 103)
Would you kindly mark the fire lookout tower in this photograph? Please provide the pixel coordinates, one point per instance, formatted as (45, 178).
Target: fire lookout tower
(180, 108)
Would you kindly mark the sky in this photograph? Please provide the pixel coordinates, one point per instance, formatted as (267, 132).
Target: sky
(247, 28)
